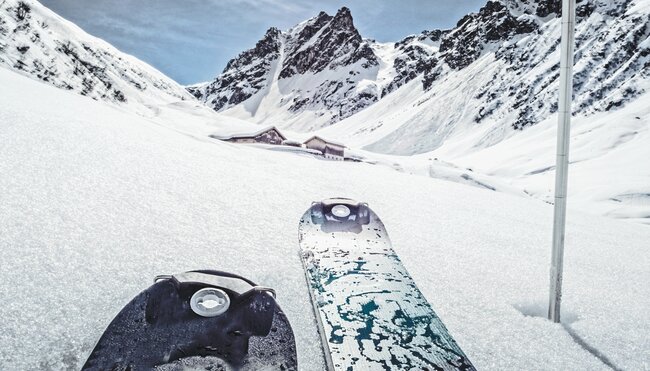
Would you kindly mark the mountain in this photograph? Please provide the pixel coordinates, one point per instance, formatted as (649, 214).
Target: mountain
(481, 96)
(38, 43)
(498, 66)
(492, 108)
(497, 72)
(314, 74)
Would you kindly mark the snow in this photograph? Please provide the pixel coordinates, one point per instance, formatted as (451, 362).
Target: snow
(61, 53)
(257, 132)
(512, 84)
(386, 53)
(608, 175)
(604, 167)
(95, 201)
(270, 106)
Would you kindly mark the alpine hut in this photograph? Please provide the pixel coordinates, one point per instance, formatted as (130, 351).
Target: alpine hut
(330, 149)
(269, 135)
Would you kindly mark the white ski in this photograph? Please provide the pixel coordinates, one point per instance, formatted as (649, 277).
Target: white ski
(369, 311)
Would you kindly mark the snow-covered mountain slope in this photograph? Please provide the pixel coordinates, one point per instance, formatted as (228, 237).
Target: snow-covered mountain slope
(498, 67)
(608, 171)
(312, 75)
(608, 174)
(95, 201)
(38, 43)
(611, 125)
(497, 72)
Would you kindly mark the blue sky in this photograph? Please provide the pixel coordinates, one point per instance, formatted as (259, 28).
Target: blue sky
(192, 40)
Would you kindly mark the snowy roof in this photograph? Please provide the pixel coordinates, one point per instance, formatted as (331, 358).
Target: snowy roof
(247, 134)
(325, 140)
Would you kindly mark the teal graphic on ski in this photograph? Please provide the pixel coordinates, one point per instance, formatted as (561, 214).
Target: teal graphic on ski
(370, 313)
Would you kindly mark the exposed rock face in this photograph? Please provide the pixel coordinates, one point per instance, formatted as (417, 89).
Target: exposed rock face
(475, 32)
(243, 76)
(417, 56)
(608, 61)
(338, 44)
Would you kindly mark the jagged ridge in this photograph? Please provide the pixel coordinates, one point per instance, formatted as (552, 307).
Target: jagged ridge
(520, 37)
(328, 49)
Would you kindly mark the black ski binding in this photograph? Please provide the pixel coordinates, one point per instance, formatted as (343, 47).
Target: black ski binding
(340, 214)
(198, 320)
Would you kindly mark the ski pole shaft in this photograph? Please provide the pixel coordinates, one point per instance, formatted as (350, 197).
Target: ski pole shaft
(562, 159)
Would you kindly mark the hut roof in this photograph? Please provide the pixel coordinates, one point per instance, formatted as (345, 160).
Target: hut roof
(325, 140)
(248, 134)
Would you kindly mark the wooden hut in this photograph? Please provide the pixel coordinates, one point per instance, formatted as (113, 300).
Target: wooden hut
(330, 149)
(269, 135)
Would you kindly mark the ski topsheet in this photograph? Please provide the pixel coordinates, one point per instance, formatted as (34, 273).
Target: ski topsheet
(370, 313)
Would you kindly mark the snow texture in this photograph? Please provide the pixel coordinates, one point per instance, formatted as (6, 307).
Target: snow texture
(98, 197)
(95, 201)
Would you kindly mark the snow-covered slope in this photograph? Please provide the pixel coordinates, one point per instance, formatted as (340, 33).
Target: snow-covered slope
(38, 43)
(608, 174)
(479, 109)
(312, 75)
(497, 72)
(95, 201)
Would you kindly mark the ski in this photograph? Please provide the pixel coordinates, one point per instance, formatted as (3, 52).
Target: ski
(369, 312)
(198, 320)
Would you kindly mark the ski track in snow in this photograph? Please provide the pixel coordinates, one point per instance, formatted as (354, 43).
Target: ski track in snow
(95, 201)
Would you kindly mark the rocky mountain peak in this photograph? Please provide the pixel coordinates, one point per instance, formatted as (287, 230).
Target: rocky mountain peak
(326, 42)
(272, 31)
(268, 46)
(343, 20)
(329, 49)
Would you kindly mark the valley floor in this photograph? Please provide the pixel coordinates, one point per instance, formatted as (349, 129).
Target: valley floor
(94, 202)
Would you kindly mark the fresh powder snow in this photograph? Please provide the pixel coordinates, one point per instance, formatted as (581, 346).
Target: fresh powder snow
(95, 201)
(111, 174)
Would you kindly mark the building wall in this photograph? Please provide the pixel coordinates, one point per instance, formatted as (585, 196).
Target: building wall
(270, 137)
(329, 150)
(316, 144)
(242, 140)
(333, 157)
(333, 150)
